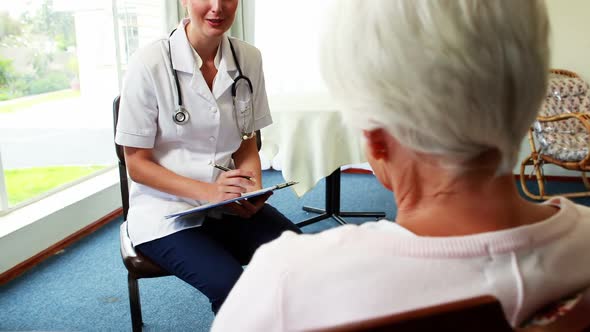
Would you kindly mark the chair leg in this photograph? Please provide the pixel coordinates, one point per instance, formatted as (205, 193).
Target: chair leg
(585, 180)
(134, 303)
(540, 180)
(527, 162)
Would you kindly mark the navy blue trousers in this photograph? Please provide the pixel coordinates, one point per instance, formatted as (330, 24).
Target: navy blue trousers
(210, 257)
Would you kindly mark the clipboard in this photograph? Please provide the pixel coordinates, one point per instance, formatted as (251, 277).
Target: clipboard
(231, 200)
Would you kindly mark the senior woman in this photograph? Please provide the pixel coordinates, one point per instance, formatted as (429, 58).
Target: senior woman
(444, 92)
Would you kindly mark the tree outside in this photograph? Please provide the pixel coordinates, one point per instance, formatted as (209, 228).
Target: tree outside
(46, 40)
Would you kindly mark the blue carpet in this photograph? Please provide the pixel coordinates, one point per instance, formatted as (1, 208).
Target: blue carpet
(557, 187)
(84, 288)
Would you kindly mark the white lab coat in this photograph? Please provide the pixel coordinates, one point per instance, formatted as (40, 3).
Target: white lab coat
(148, 102)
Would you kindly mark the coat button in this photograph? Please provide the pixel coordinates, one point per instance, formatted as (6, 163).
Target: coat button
(212, 139)
(213, 109)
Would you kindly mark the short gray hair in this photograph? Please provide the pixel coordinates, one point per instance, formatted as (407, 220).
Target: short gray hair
(446, 77)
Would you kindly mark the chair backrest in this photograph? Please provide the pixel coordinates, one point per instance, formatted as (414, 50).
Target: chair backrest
(571, 314)
(566, 93)
(124, 182)
(121, 159)
(482, 314)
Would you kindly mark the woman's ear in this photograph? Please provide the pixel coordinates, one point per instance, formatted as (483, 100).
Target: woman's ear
(376, 143)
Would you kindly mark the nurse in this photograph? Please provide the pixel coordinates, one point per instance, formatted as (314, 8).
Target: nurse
(177, 118)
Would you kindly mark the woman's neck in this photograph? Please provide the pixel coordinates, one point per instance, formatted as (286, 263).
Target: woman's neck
(441, 204)
(205, 46)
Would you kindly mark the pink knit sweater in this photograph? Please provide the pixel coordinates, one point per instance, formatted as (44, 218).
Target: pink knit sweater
(353, 273)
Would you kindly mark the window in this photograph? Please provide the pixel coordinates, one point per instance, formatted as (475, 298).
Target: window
(130, 34)
(61, 63)
(139, 22)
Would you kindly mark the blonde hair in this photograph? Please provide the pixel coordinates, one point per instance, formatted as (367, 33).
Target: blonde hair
(448, 77)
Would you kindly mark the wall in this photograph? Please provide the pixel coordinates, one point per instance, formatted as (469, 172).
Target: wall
(570, 43)
(570, 49)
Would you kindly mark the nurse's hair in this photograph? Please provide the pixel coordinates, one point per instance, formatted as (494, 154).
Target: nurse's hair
(453, 78)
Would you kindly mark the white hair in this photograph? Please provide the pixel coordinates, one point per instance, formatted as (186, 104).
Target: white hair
(446, 77)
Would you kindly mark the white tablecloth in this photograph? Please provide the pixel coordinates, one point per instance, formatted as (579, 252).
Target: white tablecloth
(310, 145)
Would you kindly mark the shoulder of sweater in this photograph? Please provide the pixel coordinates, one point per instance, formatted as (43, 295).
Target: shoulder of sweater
(584, 211)
(291, 248)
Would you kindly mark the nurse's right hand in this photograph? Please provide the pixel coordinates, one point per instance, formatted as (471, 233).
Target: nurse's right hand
(232, 184)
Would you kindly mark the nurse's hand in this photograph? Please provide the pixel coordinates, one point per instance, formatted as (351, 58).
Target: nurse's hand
(232, 184)
(246, 208)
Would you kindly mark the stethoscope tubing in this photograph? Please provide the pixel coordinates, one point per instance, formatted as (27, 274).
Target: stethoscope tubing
(181, 115)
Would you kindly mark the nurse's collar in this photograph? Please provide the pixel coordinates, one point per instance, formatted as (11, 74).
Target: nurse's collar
(216, 61)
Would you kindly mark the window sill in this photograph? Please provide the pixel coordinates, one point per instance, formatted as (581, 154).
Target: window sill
(31, 229)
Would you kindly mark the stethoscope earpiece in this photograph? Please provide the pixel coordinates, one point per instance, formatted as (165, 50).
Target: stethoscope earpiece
(181, 116)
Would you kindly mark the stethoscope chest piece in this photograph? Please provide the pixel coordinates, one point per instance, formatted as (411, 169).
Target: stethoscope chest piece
(181, 116)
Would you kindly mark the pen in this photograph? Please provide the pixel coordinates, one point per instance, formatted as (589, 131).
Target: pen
(225, 169)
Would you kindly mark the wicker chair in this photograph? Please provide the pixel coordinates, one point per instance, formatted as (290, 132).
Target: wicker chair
(561, 133)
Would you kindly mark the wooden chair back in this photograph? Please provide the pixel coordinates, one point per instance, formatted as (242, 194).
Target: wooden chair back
(571, 314)
(482, 314)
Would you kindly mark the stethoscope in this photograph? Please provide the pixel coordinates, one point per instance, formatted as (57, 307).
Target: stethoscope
(241, 91)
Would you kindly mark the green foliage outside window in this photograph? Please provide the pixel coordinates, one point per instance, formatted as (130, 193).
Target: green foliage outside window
(25, 32)
(6, 71)
(24, 184)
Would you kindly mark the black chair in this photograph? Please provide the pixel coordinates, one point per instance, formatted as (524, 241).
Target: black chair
(138, 266)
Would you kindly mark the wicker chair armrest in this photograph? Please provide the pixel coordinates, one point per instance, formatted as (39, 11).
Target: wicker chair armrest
(582, 117)
(564, 72)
